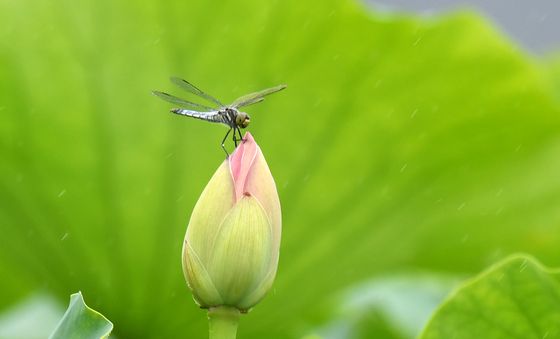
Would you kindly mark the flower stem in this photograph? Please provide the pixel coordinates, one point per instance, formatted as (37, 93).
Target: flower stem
(223, 322)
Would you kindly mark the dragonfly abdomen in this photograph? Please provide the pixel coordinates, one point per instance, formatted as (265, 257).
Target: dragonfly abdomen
(216, 116)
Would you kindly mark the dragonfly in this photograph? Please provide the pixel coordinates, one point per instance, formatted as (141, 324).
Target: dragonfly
(216, 111)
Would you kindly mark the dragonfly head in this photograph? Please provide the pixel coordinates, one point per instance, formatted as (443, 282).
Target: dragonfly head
(242, 119)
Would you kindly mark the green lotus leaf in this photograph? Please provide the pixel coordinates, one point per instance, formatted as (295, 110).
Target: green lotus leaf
(81, 322)
(516, 298)
(401, 143)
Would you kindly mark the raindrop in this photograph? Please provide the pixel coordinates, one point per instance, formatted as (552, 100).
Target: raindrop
(61, 193)
(404, 167)
(413, 113)
(64, 236)
(523, 266)
(500, 191)
(390, 114)
(461, 206)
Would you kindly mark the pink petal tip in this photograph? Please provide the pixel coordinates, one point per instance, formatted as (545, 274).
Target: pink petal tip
(240, 163)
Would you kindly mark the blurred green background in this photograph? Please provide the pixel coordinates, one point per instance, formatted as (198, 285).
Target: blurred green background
(403, 147)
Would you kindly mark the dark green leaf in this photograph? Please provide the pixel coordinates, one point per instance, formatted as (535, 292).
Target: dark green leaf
(516, 298)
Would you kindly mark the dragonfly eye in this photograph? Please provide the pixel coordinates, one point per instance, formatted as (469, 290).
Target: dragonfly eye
(242, 120)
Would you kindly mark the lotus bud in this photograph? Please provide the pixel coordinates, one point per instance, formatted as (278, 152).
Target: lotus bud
(231, 248)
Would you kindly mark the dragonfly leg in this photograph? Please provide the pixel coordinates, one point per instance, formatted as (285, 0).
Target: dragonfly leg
(240, 136)
(234, 136)
(224, 141)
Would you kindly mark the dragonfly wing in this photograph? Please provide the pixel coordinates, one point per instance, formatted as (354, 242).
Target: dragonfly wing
(184, 84)
(187, 104)
(256, 97)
